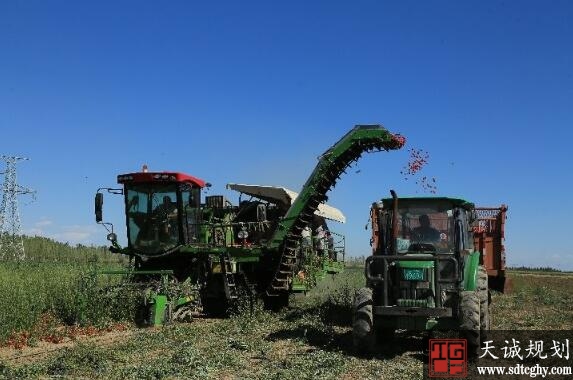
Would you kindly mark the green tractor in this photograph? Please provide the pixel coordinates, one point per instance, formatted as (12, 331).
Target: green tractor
(424, 274)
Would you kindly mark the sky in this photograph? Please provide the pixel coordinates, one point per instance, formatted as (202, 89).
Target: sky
(255, 91)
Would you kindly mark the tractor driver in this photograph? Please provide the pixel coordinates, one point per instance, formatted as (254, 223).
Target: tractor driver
(165, 208)
(164, 212)
(425, 232)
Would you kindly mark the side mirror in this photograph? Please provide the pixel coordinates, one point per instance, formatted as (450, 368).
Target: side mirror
(98, 207)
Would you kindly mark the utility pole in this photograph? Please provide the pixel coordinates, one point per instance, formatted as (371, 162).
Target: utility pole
(11, 242)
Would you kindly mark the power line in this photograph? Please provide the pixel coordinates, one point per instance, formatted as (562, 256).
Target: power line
(11, 242)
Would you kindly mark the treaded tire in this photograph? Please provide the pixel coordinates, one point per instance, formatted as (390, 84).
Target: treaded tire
(363, 335)
(484, 299)
(470, 320)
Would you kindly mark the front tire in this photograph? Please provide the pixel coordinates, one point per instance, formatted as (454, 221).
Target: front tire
(470, 320)
(363, 335)
(484, 299)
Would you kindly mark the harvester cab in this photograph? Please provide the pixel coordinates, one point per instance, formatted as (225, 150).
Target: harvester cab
(156, 207)
(424, 273)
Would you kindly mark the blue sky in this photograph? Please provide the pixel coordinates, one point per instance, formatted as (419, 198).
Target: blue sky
(254, 91)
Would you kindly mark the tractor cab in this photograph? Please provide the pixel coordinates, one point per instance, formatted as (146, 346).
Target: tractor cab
(421, 248)
(155, 206)
(425, 225)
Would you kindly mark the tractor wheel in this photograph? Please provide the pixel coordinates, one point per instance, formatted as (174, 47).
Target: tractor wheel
(470, 320)
(363, 335)
(484, 299)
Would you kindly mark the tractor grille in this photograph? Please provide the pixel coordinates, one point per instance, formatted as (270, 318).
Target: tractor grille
(413, 303)
(417, 293)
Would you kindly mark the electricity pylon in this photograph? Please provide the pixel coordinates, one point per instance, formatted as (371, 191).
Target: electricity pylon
(11, 242)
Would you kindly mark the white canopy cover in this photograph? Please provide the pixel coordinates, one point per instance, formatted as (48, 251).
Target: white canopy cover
(276, 194)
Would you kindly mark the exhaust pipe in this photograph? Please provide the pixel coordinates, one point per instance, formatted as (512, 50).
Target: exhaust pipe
(394, 220)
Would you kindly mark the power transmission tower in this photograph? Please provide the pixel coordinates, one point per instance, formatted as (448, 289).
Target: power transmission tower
(11, 242)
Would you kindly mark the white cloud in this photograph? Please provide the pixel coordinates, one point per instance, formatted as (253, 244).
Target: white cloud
(43, 223)
(34, 232)
(39, 228)
(76, 234)
(73, 234)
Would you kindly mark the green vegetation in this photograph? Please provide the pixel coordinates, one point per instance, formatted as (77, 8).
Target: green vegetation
(42, 249)
(312, 339)
(544, 298)
(58, 282)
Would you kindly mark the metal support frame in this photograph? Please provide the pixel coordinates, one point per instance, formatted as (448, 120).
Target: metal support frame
(11, 241)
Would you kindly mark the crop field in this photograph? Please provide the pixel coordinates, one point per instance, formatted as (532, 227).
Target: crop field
(55, 324)
(55, 286)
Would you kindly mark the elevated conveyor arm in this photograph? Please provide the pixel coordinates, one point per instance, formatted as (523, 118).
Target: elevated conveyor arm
(331, 164)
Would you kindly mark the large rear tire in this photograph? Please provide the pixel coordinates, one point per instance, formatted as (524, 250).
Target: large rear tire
(470, 320)
(484, 299)
(363, 335)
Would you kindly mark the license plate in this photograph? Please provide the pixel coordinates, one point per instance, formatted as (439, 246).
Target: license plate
(414, 274)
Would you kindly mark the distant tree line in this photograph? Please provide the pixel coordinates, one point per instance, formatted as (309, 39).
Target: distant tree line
(534, 269)
(43, 249)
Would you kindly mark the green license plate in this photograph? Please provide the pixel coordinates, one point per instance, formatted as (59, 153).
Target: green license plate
(414, 274)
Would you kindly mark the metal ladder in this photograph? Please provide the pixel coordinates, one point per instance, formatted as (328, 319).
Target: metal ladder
(228, 277)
